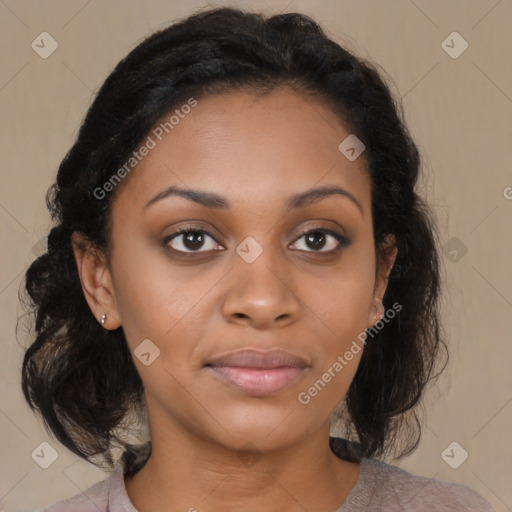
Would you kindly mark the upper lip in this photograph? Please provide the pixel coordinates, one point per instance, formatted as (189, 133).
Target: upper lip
(251, 358)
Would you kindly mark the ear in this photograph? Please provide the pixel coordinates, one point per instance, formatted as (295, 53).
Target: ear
(96, 280)
(385, 263)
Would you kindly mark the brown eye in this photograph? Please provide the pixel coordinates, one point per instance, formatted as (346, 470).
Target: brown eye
(191, 240)
(321, 240)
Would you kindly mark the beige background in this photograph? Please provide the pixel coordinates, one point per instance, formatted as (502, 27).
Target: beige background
(459, 111)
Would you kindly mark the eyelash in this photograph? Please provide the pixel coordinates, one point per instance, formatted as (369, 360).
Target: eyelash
(342, 240)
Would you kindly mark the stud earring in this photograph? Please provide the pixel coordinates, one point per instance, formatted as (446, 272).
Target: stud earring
(103, 318)
(380, 313)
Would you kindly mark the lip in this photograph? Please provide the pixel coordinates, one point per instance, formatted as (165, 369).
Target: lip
(256, 373)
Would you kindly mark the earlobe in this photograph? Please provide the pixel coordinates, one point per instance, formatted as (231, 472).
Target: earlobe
(385, 264)
(96, 281)
(376, 313)
(379, 312)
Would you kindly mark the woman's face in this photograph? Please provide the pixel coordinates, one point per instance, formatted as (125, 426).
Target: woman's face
(246, 278)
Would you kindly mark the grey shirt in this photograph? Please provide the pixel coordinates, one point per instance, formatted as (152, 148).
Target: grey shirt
(379, 487)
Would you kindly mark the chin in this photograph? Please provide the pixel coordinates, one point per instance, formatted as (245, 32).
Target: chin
(265, 430)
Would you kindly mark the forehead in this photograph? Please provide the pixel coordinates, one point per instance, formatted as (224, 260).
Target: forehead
(248, 147)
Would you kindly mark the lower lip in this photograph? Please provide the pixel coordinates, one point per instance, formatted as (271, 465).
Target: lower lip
(258, 381)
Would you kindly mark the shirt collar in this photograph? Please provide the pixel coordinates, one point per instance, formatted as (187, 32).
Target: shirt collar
(133, 458)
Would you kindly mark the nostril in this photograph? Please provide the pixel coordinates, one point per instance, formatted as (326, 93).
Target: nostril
(241, 315)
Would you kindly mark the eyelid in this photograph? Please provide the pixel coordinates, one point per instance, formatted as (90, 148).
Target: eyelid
(343, 240)
(318, 227)
(186, 229)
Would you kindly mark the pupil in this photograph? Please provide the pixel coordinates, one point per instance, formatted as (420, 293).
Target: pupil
(193, 240)
(312, 236)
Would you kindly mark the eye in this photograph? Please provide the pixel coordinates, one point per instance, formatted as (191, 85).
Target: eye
(322, 240)
(190, 240)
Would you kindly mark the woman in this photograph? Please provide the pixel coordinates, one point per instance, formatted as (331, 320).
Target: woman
(239, 252)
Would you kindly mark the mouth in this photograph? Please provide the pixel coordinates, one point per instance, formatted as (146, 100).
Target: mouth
(257, 373)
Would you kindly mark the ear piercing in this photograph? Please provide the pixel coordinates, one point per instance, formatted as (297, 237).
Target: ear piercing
(380, 313)
(103, 318)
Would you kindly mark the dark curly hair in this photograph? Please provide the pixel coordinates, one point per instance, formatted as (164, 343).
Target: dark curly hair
(81, 377)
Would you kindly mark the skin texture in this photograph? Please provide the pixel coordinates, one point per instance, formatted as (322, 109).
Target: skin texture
(214, 447)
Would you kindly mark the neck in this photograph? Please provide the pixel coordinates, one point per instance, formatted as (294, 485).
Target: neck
(189, 473)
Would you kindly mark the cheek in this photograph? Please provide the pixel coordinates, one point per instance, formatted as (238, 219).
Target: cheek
(339, 343)
(329, 382)
(342, 300)
(157, 299)
(341, 308)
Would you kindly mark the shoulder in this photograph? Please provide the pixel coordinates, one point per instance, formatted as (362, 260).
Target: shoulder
(109, 494)
(94, 499)
(397, 489)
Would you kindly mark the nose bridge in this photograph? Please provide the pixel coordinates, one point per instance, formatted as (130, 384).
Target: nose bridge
(261, 291)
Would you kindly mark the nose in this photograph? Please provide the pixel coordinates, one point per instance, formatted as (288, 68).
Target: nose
(261, 294)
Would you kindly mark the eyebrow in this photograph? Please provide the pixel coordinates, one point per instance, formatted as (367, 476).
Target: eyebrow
(213, 200)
